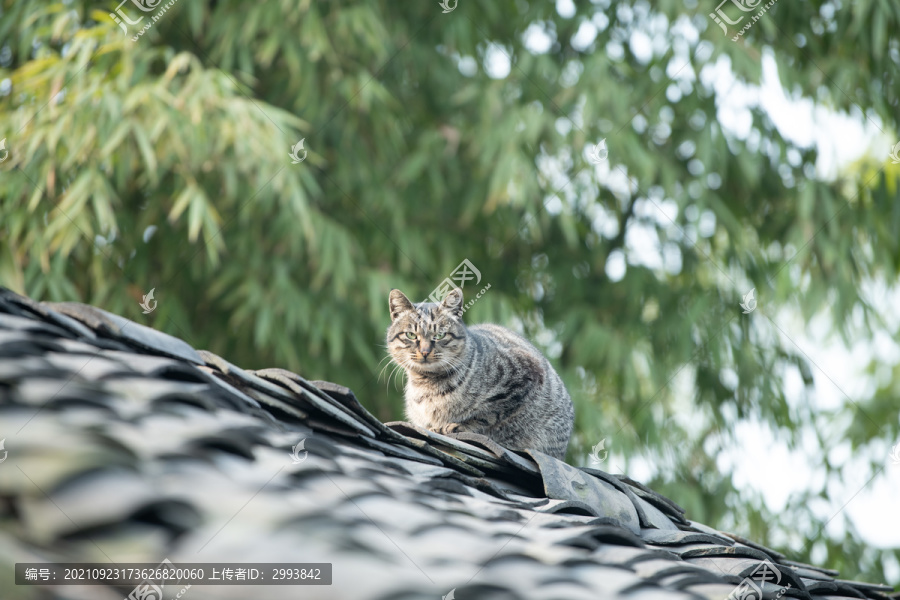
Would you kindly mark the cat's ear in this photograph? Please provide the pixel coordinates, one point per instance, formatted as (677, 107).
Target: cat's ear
(398, 304)
(453, 302)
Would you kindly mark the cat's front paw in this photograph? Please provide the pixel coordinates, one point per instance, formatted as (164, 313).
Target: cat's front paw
(449, 428)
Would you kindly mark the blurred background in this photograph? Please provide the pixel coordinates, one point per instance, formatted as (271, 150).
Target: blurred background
(622, 175)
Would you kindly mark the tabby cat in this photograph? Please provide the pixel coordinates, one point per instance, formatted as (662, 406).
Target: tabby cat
(481, 379)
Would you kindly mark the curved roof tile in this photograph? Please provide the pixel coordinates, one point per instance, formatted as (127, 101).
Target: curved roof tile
(126, 444)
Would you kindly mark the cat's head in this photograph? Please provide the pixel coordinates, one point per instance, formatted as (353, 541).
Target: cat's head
(426, 337)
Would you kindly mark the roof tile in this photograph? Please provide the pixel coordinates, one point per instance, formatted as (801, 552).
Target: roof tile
(133, 446)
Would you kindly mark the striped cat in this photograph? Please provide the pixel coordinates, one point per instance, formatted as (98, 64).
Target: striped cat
(481, 379)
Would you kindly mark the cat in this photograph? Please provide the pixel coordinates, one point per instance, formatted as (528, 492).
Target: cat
(482, 379)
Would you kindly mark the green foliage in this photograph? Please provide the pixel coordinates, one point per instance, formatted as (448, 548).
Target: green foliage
(417, 160)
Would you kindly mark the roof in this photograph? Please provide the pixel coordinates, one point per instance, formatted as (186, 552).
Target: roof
(127, 444)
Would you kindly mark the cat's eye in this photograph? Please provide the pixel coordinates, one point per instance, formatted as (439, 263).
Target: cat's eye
(440, 335)
(410, 335)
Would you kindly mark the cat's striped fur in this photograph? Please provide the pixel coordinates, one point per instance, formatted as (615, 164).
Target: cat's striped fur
(483, 379)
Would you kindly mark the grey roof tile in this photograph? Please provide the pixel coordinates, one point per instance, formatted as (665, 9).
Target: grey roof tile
(686, 580)
(592, 538)
(699, 550)
(647, 593)
(445, 458)
(656, 569)
(818, 585)
(662, 537)
(465, 452)
(664, 504)
(23, 324)
(566, 482)
(831, 574)
(15, 345)
(148, 448)
(735, 568)
(563, 590)
(711, 591)
(511, 458)
(86, 366)
(650, 516)
(314, 401)
(399, 451)
(777, 555)
(13, 304)
(607, 581)
(135, 334)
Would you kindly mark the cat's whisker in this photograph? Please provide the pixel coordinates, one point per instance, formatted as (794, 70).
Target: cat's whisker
(387, 380)
(453, 362)
(394, 373)
(380, 373)
(402, 367)
(452, 365)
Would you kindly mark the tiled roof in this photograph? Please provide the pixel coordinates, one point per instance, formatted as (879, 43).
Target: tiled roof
(126, 444)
